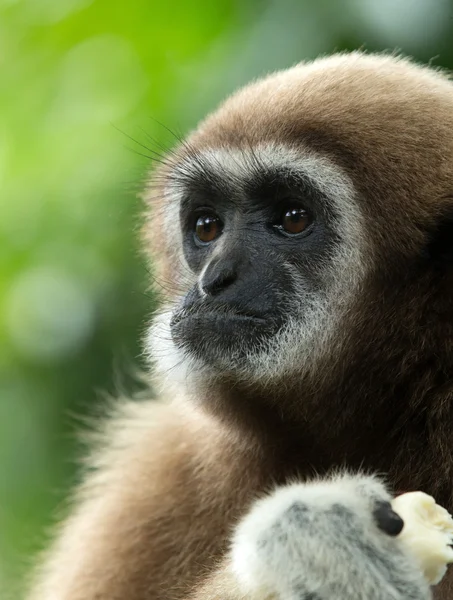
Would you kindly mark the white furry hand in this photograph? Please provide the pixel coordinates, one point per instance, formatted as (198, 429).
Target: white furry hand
(332, 539)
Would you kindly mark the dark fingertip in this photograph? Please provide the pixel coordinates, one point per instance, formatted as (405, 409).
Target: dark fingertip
(387, 519)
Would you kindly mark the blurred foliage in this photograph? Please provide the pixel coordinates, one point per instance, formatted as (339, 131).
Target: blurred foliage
(74, 75)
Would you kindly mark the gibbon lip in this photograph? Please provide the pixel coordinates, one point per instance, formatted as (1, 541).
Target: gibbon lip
(220, 329)
(222, 312)
(237, 316)
(221, 315)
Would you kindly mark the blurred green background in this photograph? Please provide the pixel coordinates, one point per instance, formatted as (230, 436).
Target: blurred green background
(77, 78)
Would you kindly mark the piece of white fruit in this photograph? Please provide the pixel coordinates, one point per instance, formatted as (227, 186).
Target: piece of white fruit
(427, 533)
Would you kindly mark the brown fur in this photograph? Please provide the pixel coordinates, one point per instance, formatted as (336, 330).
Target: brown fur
(154, 519)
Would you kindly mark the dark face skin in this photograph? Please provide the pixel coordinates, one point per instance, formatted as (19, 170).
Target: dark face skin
(258, 243)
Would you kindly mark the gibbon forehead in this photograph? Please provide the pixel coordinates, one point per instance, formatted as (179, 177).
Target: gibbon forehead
(355, 149)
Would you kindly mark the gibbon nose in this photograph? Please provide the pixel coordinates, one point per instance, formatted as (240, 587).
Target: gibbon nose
(218, 277)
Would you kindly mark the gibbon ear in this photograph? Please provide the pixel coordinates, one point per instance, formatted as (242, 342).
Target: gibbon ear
(440, 246)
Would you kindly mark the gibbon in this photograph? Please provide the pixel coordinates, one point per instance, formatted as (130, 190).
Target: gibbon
(304, 360)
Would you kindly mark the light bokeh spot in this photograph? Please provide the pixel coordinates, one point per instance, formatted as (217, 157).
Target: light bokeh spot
(48, 314)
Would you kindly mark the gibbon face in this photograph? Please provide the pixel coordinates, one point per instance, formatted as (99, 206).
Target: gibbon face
(265, 233)
(293, 210)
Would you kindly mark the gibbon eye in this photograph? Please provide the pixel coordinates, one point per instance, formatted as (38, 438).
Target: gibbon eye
(207, 228)
(295, 220)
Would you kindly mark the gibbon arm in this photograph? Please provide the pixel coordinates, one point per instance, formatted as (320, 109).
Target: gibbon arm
(154, 512)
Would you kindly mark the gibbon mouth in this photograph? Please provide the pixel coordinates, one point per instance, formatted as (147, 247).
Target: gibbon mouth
(220, 328)
(213, 315)
(223, 314)
(217, 320)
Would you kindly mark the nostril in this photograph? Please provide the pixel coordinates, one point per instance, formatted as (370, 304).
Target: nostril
(215, 284)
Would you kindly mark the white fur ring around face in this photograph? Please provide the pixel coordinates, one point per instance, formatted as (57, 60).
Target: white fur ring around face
(427, 533)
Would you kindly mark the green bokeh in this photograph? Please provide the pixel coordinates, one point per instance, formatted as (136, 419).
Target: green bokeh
(77, 78)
